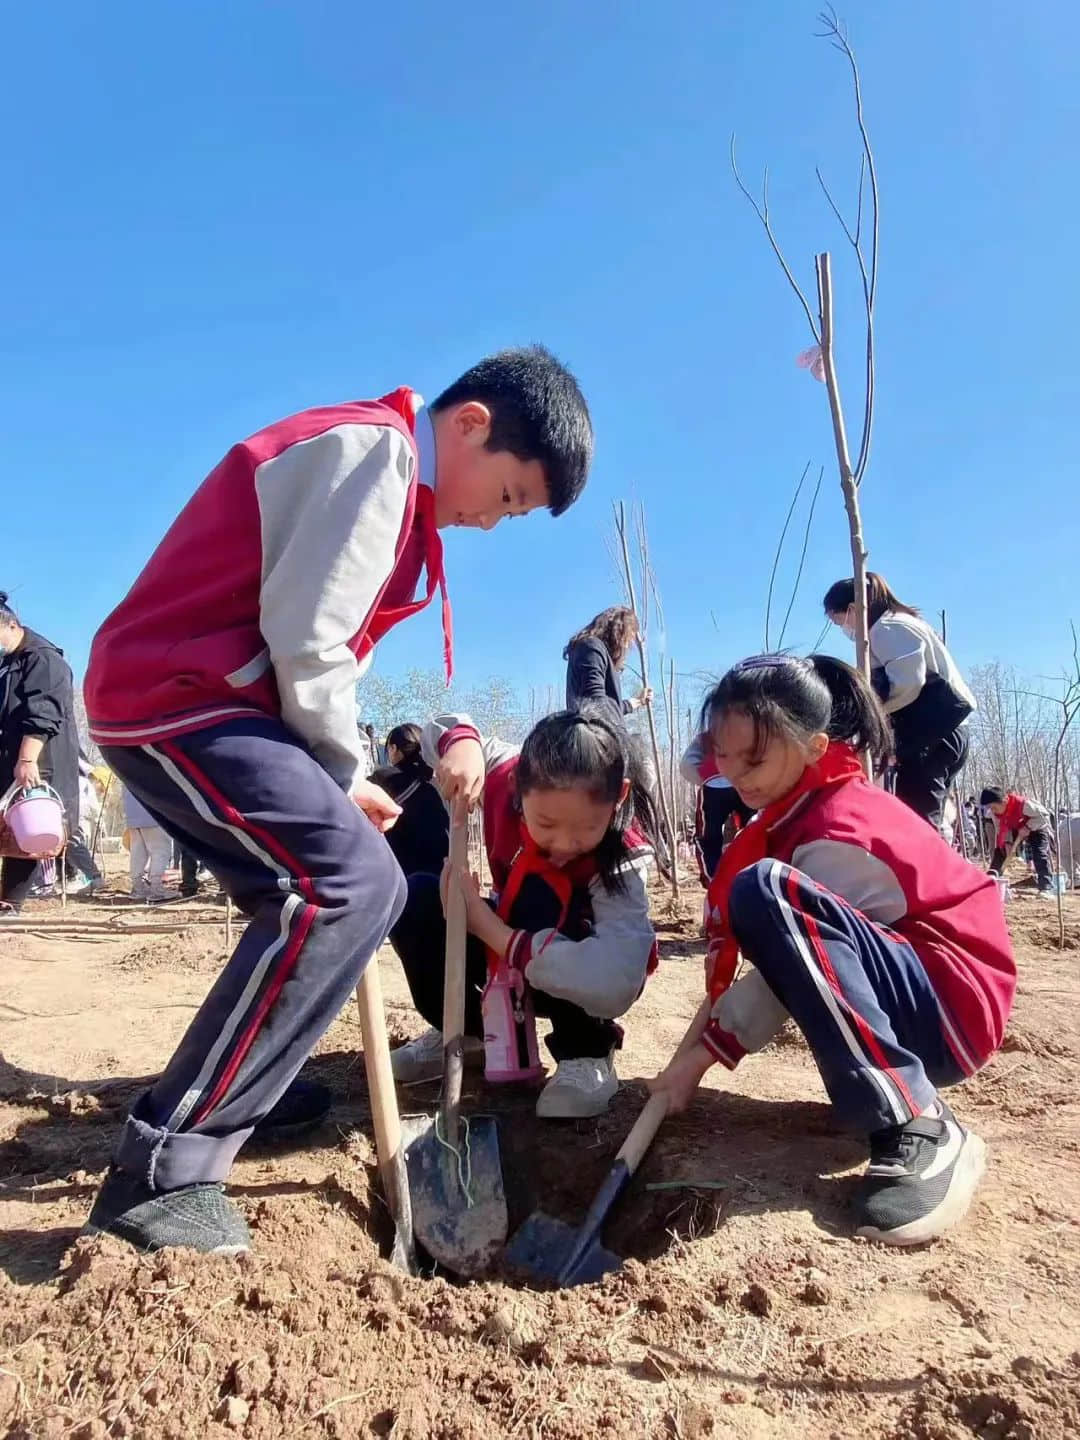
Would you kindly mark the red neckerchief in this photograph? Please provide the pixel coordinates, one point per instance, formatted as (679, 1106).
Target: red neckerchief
(1010, 820)
(838, 765)
(562, 880)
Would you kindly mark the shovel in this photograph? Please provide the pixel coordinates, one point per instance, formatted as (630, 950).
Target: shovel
(550, 1249)
(455, 1174)
(384, 1112)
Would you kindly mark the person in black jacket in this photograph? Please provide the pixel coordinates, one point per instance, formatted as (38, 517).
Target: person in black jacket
(594, 658)
(420, 837)
(39, 742)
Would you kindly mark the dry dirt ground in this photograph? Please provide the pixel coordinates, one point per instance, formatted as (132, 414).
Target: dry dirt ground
(745, 1309)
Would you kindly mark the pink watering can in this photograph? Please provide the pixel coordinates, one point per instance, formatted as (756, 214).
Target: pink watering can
(36, 820)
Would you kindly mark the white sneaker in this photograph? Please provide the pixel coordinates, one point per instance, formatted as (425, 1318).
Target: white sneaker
(422, 1058)
(578, 1088)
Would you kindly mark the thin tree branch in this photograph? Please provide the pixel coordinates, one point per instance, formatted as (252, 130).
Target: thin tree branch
(802, 558)
(834, 31)
(779, 548)
(762, 212)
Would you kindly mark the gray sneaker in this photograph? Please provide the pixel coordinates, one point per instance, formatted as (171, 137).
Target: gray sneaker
(422, 1059)
(921, 1179)
(196, 1217)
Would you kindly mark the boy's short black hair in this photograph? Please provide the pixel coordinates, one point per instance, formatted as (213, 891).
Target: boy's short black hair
(537, 413)
(991, 796)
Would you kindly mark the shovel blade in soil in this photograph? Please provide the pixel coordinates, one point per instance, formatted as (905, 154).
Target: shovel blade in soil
(462, 1227)
(544, 1245)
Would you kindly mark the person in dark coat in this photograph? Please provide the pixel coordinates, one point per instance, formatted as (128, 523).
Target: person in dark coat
(420, 837)
(39, 741)
(595, 656)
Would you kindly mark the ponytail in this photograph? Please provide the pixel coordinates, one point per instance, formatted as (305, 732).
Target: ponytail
(787, 695)
(855, 714)
(6, 612)
(880, 598)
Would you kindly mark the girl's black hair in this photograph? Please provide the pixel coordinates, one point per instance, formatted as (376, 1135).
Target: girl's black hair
(880, 598)
(406, 739)
(6, 612)
(787, 695)
(588, 748)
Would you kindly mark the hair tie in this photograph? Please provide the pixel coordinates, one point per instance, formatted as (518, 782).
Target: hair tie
(770, 659)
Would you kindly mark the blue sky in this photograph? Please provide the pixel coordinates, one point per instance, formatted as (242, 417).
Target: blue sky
(220, 214)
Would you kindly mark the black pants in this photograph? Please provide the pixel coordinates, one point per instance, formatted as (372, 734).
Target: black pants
(16, 878)
(925, 772)
(77, 857)
(189, 873)
(419, 938)
(716, 805)
(1038, 843)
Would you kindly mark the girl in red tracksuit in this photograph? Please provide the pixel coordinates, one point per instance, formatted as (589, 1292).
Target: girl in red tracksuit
(886, 948)
(570, 909)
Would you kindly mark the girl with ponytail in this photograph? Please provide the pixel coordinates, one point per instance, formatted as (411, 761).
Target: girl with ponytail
(568, 830)
(887, 949)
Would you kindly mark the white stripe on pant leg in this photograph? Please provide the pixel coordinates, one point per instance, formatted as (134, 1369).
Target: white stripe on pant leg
(228, 1030)
(959, 1049)
(202, 808)
(885, 1084)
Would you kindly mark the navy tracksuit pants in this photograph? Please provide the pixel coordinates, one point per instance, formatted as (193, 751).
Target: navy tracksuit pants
(322, 890)
(857, 991)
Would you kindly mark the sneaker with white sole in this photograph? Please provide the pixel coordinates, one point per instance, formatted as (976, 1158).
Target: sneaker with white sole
(422, 1058)
(920, 1180)
(578, 1089)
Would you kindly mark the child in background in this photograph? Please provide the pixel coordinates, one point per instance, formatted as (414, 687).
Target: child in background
(420, 837)
(222, 691)
(1018, 820)
(886, 947)
(570, 909)
(151, 852)
(717, 803)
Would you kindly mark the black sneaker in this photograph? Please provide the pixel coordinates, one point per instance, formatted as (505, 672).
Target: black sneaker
(197, 1217)
(304, 1106)
(920, 1180)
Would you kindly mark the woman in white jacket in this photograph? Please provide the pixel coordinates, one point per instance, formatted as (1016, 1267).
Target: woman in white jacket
(923, 692)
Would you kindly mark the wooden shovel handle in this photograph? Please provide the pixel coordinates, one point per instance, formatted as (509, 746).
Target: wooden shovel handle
(384, 1106)
(652, 1117)
(454, 984)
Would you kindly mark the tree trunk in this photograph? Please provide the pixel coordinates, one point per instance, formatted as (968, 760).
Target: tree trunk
(847, 479)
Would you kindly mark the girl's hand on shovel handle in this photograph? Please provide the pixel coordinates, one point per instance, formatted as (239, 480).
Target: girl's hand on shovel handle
(679, 1082)
(460, 777)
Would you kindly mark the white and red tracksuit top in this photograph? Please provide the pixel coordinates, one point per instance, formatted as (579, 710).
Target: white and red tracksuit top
(292, 559)
(872, 850)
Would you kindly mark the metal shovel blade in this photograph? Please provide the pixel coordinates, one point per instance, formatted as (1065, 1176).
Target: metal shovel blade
(544, 1245)
(458, 1210)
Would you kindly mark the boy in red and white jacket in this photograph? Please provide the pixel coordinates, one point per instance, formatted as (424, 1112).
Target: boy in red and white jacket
(1020, 819)
(221, 691)
(886, 947)
(570, 909)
